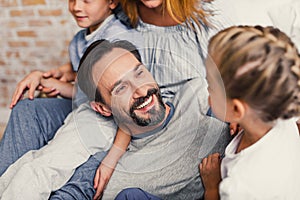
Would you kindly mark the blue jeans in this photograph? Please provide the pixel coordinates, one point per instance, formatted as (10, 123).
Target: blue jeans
(31, 125)
(135, 194)
(81, 184)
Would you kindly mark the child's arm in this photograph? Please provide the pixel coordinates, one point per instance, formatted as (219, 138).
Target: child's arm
(32, 81)
(63, 73)
(109, 163)
(53, 87)
(211, 176)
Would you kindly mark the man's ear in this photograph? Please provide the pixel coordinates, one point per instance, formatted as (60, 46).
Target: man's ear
(238, 109)
(113, 4)
(100, 108)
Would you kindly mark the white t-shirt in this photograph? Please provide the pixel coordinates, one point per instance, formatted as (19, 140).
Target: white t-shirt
(268, 169)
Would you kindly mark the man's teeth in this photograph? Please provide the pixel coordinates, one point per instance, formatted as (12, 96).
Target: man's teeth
(145, 103)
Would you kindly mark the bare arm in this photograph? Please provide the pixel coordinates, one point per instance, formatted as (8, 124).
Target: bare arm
(32, 81)
(109, 163)
(53, 87)
(63, 73)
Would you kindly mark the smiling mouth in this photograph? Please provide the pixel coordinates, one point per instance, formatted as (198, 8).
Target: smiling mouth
(146, 103)
(80, 17)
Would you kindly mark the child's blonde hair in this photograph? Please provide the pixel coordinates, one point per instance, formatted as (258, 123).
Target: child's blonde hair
(261, 66)
(180, 10)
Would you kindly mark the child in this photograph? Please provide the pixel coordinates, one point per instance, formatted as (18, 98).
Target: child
(260, 70)
(50, 167)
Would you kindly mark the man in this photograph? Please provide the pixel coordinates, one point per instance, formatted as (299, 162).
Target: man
(168, 139)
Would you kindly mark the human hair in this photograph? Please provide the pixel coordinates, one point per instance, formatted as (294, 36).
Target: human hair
(180, 10)
(261, 66)
(93, 54)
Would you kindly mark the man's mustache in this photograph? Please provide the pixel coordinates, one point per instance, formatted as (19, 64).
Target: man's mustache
(141, 100)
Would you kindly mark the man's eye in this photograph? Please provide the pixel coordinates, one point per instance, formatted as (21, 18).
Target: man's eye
(120, 89)
(140, 73)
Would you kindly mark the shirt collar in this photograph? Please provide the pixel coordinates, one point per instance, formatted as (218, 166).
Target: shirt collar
(91, 35)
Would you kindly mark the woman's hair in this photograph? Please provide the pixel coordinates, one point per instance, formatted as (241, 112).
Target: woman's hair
(261, 66)
(180, 10)
(91, 56)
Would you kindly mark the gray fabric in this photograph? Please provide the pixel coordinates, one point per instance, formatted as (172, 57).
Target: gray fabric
(95, 131)
(173, 54)
(50, 167)
(32, 124)
(166, 163)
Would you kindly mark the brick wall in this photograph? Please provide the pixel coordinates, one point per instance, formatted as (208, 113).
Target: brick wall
(34, 34)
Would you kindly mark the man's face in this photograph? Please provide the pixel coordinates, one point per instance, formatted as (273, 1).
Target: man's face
(129, 90)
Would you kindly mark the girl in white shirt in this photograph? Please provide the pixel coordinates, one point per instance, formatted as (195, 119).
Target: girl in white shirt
(254, 80)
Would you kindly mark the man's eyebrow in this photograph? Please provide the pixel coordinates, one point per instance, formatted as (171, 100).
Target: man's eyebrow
(121, 80)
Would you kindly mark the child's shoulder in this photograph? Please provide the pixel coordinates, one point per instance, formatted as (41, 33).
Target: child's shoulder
(114, 30)
(115, 26)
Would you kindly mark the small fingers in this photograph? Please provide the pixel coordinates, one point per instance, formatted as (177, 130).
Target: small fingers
(18, 94)
(99, 190)
(212, 158)
(234, 128)
(55, 73)
(96, 179)
(32, 87)
(53, 94)
(49, 91)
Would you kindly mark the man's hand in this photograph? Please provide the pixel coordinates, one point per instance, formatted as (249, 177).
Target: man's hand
(30, 83)
(101, 179)
(211, 175)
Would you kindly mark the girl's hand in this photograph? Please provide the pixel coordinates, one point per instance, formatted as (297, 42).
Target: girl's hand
(234, 128)
(210, 173)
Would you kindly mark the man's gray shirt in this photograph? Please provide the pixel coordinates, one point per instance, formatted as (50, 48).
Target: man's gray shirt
(166, 162)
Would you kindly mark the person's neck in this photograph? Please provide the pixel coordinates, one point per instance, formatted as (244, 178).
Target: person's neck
(254, 130)
(94, 27)
(155, 16)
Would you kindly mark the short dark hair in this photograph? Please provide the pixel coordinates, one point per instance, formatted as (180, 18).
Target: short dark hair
(92, 55)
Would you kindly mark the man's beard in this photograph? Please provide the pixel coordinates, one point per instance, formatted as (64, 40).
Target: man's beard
(156, 114)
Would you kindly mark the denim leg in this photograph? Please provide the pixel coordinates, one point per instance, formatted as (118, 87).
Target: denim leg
(31, 125)
(135, 194)
(81, 184)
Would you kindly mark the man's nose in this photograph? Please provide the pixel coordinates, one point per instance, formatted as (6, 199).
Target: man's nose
(140, 92)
